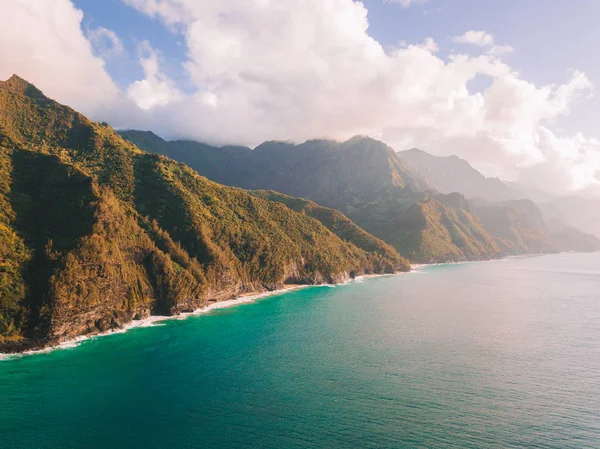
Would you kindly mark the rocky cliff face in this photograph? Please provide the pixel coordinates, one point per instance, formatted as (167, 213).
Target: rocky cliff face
(94, 232)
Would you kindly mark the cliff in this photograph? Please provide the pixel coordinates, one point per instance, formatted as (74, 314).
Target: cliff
(95, 232)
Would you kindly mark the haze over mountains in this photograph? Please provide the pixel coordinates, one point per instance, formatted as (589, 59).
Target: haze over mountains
(452, 174)
(412, 200)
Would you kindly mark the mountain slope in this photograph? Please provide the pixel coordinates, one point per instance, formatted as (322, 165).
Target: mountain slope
(517, 226)
(580, 212)
(95, 232)
(325, 171)
(363, 178)
(583, 213)
(452, 174)
(386, 194)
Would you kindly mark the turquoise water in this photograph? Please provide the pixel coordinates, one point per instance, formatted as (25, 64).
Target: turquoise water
(486, 355)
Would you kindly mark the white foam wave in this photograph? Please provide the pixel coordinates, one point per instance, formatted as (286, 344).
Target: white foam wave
(151, 322)
(159, 320)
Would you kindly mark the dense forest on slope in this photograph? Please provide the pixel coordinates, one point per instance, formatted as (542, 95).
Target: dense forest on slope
(94, 232)
(394, 196)
(363, 178)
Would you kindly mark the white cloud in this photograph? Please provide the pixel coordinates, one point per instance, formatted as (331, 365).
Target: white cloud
(500, 50)
(309, 68)
(406, 3)
(42, 41)
(156, 89)
(478, 38)
(429, 45)
(106, 42)
(570, 163)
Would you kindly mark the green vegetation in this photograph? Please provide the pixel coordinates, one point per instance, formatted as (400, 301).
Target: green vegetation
(95, 232)
(382, 257)
(386, 193)
(363, 178)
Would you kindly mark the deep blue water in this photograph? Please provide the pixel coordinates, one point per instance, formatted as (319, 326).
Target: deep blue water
(502, 354)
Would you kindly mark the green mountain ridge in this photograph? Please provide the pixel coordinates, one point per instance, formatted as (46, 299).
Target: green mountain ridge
(394, 196)
(95, 232)
(363, 178)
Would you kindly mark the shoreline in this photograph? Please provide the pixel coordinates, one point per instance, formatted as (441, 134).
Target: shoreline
(417, 266)
(244, 298)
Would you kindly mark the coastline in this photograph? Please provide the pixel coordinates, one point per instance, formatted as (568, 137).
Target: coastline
(153, 320)
(418, 266)
(244, 298)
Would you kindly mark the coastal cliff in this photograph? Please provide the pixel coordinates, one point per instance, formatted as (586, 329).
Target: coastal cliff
(95, 232)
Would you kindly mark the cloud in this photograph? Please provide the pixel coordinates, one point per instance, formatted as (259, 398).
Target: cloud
(429, 45)
(106, 42)
(484, 40)
(570, 163)
(156, 89)
(42, 42)
(478, 38)
(310, 69)
(307, 69)
(406, 3)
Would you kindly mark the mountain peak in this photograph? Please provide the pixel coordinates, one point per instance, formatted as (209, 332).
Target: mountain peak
(16, 84)
(362, 139)
(359, 137)
(415, 151)
(144, 134)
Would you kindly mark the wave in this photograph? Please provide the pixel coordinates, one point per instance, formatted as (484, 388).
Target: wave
(159, 320)
(153, 321)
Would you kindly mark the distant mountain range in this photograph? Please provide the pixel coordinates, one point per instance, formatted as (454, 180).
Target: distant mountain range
(95, 232)
(412, 200)
(452, 174)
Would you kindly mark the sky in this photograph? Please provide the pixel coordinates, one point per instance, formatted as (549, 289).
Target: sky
(509, 85)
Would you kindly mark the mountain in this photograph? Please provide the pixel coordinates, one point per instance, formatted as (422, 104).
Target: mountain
(517, 216)
(95, 232)
(517, 226)
(394, 196)
(363, 178)
(453, 174)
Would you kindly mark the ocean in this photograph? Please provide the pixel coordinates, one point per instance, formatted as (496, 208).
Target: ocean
(501, 354)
